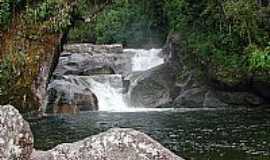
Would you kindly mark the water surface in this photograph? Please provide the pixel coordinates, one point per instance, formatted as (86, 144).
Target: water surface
(195, 135)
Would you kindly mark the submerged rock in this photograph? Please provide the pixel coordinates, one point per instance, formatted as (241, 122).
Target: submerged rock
(16, 139)
(70, 95)
(115, 144)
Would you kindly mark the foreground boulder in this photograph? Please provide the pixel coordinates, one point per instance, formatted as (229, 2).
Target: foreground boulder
(115, 144)
(16, 139)
(16, 143)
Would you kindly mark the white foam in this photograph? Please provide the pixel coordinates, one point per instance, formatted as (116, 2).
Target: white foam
(145, 59)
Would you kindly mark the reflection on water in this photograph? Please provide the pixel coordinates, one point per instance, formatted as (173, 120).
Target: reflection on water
(195, 135)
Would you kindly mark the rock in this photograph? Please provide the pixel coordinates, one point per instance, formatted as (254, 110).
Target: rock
(214, 85)
(197, 98)
(91, 64)
(206, 97)
(115, 144)
(152, 88)
(227, 79)
(93, 49)
(261, 84)
(211, 100)
(16, 139)
(239, 98)
(173, 50)
(70, 95)
(193, 98)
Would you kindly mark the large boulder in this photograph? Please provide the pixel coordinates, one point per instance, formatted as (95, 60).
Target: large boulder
(16, 139)
(115, 144)
(153, 87)
(70, 95)
(88, 59)
(202, 97)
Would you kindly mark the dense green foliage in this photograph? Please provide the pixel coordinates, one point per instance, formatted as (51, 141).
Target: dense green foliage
(129, 22)
(53, 14)
(5, 13)
(231, 33)
(133, 23)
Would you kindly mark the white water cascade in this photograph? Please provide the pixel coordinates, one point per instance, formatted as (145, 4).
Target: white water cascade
(109, 91)
(109, 88)
(145, 59)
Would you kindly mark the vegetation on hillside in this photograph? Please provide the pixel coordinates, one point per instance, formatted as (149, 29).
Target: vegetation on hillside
(30, 34)
(132, 23)
(232, 36)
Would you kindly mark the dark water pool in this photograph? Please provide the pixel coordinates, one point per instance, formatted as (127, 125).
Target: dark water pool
(194, 135)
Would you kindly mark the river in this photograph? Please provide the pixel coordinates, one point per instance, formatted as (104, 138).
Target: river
(193, 134)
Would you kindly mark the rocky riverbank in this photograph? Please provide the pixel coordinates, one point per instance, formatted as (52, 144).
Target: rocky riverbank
(177, 81)
(201, 85)
(16, 142)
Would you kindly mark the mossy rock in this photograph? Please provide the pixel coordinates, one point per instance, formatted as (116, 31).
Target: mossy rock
(226, 78)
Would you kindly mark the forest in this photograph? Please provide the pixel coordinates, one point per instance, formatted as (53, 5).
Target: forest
(232, 35)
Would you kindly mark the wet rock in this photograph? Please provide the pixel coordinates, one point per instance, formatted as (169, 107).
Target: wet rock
(198, 97)
(240, 98)
(261, 84)
(93, 49)
(211, 100)
(92, 64)
(16, 139)
(202, 97)
(152, 88)
(115, 144)
(70, 95)
(212, 86)
(190, 98)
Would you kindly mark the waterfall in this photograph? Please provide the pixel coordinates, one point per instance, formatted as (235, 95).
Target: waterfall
(109, 91)
(109, 88)
(143, 60)
(83, 69)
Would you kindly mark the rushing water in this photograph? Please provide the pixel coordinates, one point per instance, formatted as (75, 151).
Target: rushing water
(196, 135)
(109, 88)
(109, 91)
(145, 59)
